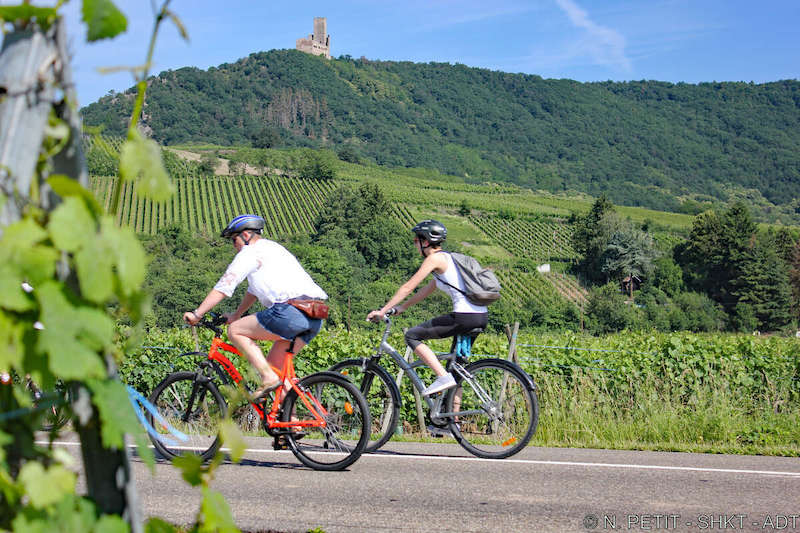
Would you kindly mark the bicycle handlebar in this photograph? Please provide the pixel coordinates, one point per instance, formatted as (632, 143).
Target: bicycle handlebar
(390, 312)
(214, 323)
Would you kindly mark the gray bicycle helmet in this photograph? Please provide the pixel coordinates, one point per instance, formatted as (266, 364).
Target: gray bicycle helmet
(243, 222)
(432, 231)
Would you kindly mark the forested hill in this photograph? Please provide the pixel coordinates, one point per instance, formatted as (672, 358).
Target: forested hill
(642, 143)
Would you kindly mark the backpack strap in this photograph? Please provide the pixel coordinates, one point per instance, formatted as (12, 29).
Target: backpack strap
(457, 274)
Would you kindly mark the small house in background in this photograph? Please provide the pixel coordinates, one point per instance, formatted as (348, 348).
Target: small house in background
(630, 284)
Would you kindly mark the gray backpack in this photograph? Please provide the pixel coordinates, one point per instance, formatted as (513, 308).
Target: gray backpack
(481, 286)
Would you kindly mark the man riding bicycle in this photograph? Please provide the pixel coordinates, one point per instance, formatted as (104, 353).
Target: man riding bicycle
(277, 280)
(428, 238)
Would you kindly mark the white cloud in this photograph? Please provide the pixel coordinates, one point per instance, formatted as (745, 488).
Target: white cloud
(604, 45)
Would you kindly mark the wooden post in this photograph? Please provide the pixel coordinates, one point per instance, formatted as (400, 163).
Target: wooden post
(512, 356)
(196, 339)
(27, 78)
(512, 342)
(32, 64)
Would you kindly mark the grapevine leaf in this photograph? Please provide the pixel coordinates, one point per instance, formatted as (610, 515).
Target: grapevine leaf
(11, 351)
(32, 524)
(26, 232)
(27, 12)
(18, 248)
(97, 329)
(216, 515)
(128, 255)
(14, 298)
(94, 264)
(68, 358)
(111, 524)
(46, 487)
(74, 514)
(157, 525)
(144, 451)
(70, 224)
(191, 467)
(103, 19)
(38, 263)
(65, 187)
(141, 161)
(232, 438)
(116, 412)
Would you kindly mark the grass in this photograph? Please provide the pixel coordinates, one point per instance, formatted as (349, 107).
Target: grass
(581, 414)
(584, 416)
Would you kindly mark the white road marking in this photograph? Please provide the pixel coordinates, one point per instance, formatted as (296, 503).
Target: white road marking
(390, 455)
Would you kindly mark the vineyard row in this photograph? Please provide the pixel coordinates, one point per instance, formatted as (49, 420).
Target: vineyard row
(206, 204)
(534, 239)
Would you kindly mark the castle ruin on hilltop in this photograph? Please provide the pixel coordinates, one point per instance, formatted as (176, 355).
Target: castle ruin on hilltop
(319, 42)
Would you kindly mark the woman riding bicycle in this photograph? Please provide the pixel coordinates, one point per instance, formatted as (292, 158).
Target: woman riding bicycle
(428, 238)
(276, 279)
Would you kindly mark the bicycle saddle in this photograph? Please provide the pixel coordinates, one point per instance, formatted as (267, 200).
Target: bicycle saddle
(472, 333)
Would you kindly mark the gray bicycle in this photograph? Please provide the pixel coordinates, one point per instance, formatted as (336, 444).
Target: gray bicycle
(492, 411)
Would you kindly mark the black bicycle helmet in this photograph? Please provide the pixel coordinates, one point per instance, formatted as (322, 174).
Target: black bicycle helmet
(432, 231)
(243, 222)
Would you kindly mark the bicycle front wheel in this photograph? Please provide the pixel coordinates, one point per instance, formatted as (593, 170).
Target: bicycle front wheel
(193, 405)
(342, 439)
(381, 393)
(496, 411)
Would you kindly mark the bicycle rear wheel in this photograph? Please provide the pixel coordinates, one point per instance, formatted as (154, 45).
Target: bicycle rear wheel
(54, 405)
(192, 404)
(342, 440)
(498, 410)
(381, 394)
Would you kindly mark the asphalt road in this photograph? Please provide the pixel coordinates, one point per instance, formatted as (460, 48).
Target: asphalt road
(424, 487)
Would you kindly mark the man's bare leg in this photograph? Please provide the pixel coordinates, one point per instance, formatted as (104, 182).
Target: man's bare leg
(243, 334)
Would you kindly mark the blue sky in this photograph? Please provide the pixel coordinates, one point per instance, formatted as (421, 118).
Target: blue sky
(585, 40)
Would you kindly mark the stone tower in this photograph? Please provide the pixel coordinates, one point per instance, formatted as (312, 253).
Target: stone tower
(319, 42)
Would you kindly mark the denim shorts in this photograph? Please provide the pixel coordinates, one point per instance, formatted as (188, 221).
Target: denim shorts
(289, 322)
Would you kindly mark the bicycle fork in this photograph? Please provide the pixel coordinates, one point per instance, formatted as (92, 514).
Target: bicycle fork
(200, 379)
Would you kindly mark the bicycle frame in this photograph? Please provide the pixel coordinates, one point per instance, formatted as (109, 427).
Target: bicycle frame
(408, 369)
(289, 382)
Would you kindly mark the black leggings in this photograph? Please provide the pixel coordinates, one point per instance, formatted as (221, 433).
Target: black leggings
(445, 326)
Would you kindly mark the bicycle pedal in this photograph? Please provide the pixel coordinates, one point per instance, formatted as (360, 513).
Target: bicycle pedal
(280, 443)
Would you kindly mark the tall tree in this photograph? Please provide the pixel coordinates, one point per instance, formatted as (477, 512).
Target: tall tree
(794, 279)
(764, 285)
(361, 215)
(591, 234)
(628, 253)
(717, 248)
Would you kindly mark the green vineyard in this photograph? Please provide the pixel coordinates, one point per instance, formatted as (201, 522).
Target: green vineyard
(206, 204)
(544, 289)
(290, 205)
(542, 241)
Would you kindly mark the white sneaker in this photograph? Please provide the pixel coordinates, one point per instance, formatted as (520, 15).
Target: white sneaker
(442, 383)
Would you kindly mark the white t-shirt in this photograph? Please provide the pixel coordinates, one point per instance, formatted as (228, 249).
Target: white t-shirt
(273, 274)
(460, 302)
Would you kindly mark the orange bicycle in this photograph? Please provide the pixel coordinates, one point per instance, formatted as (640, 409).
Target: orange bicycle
(323, 418)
